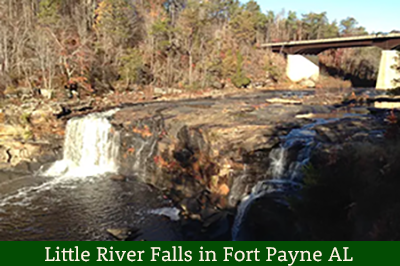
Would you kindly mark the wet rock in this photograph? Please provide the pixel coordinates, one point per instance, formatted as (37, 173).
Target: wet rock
(361, 111)
(46, 93)
(64, 112)
(327, 135)
(25, 167)
(5, 156)
(248, 109)
(183, 147)
(194, 205)
(184, 157)
(268, 220)
(217, 224)
(261, 84)
(308, 83)
(210, 225)
(218, 85)
(118, 178)
(283, 101)
(43, 112)
(360, 136)
(11, 131)
(124, 234)
(25, 156)
(241, 186)
(163, 91)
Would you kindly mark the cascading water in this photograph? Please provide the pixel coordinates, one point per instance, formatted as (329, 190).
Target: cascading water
(304, 138)
(171, 212)
(91, 147)
(278, 162)
(285, 176)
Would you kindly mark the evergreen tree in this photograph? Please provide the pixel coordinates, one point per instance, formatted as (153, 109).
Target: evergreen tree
(49, 12)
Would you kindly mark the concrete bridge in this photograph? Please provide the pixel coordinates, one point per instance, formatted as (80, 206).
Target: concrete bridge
(300, 68)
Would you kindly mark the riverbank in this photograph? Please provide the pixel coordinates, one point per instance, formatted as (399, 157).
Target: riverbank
(34, 127)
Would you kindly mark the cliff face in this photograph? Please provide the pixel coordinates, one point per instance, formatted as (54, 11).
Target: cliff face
(30, 135)
(207, 155)
(190, 146)
(222, 146)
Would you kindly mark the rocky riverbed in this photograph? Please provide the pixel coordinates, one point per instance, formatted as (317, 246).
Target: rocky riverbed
(208, 155)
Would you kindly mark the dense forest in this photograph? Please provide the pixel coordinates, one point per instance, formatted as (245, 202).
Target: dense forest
(119, 45)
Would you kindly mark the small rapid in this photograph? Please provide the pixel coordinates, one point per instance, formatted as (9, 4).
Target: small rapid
(285, 176)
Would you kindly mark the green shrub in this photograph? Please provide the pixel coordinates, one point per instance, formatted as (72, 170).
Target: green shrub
(239, 79)
(131, 63)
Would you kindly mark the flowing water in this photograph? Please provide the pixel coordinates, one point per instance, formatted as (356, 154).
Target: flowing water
(91, 147)
(75, 199)
(285, 175)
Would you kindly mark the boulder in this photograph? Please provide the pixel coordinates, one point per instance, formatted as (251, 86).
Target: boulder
(118, 178)
(283, 101)
(308, 83)
(46, 93)
(218, 85)
(124, 234)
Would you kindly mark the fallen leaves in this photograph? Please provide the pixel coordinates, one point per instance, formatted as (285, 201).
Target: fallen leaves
(391, 118)
(163, 163)
(144, 132)
(223, 190)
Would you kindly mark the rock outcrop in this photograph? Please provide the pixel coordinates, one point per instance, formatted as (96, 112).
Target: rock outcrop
(221, 146)
(30, 136)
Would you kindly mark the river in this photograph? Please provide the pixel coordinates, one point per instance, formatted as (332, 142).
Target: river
(75, 198)
(53, 208)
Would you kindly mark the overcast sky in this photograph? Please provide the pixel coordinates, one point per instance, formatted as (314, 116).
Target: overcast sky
(374, 15)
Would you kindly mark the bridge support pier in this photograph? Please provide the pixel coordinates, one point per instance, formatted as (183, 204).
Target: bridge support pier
(300, 68)
(387, 74)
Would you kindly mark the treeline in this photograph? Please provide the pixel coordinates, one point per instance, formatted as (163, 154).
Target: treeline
(103, 45)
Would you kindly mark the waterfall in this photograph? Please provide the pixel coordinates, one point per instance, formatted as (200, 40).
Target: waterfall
(285, 176)
(278, 162)
(91, 147)
(292, 171)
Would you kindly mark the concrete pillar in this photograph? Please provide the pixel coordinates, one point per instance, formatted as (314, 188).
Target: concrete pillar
(300, 68)
(387, 74)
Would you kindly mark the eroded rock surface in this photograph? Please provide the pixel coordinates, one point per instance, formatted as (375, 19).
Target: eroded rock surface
(208, 154)
(219, 145)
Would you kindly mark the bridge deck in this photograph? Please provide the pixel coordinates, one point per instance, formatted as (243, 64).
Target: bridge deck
(385, 41)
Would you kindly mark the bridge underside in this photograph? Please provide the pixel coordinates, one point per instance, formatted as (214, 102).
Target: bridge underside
(300, 68)
(316, 48)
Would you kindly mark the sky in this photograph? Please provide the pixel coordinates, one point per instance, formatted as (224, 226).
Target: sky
(374, 15)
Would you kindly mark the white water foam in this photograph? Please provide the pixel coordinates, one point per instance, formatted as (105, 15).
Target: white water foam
(170, 212)
(284, 175)
(91, 147)
(277, 162)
